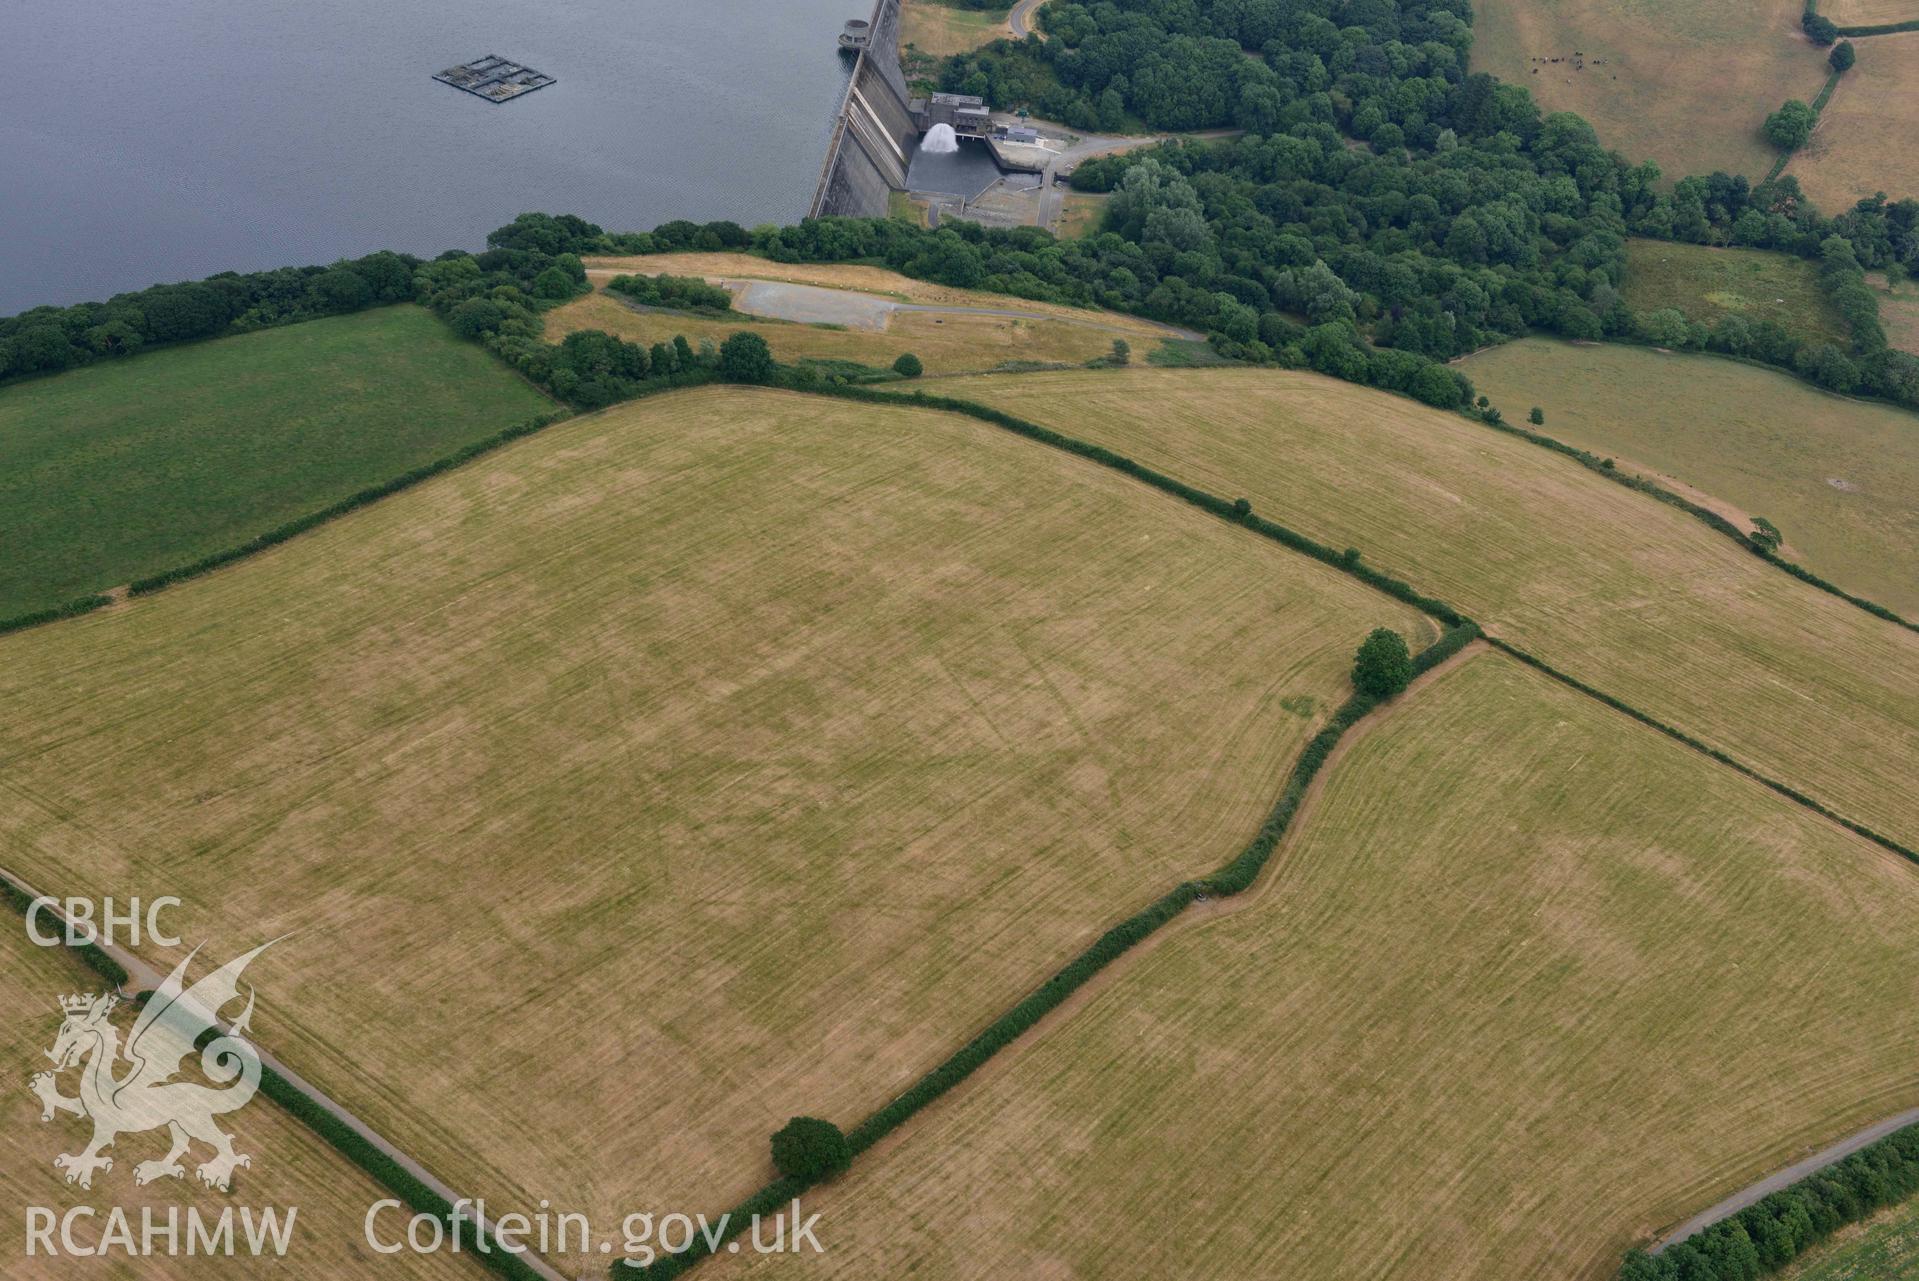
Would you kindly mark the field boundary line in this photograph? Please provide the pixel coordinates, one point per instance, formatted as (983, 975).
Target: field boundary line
(1705, 515)
(1208, 911)
(327, 1119)
(1231, 879)
(1240, 512)
(1698, 745)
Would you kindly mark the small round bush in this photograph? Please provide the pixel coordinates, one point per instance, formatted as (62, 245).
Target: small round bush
(908, 365)
(809, 1149)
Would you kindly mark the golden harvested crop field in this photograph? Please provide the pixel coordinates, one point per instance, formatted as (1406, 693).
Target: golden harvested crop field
(1838, 476)
(291, 1167)
(1864, 140)
(945, 344)
(1623, 592)
(1685, 83)
(709, 760)
(1527, 983)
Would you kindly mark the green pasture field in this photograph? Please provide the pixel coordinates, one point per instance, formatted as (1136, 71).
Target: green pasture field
(1839, 477)
(1706, 284)
(121, 470)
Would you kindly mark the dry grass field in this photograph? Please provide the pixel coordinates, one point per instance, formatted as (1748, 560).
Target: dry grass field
(712, 759)
(1869, 13)
(941, 29)
(290, 1167)
(1527, 983)
(1685, 83)
(1838, 476)
(945, 344)
(1632, 596)
(1864, 140)
(1707, 284)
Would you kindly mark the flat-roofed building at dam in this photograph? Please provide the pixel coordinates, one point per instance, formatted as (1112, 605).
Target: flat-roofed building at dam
(967, 114)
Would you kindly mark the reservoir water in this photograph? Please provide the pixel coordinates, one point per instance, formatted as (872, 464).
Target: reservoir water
(146, 142)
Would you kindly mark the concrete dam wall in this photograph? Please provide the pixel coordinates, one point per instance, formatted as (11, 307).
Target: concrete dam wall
(874, 139)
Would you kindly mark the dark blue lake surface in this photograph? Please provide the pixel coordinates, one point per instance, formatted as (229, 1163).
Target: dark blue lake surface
(154, 140)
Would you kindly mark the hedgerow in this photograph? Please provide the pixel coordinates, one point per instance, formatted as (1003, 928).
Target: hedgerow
(280, 534)
(46, 340)
(1233, 878)
(391, 1175)
(72, 609)
(1766, 1236)
(1653, 489)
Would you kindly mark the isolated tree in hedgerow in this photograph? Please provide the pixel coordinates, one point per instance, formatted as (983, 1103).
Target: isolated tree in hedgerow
(1842, 57)
(1122, 352)
(745, 358)
(1790, 126)
(809, 1149)
(1537, 417)
(1819, 28)
(1383, 667)
(908, 365)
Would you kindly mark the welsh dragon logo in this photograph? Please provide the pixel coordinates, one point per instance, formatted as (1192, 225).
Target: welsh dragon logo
(144, 1096)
